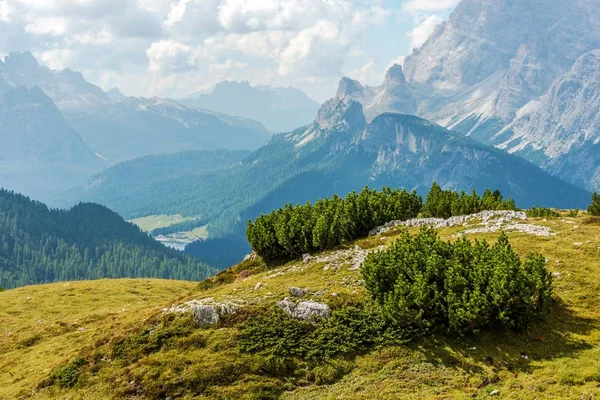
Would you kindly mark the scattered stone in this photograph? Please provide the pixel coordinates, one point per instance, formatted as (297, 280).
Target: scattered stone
(306, 257)
(251, 256)
(494, 392)
(530, 229)
(334, 294)
(501, 217)
(578, 244)
(258, 286)
(305, 310)
(298, 292)
(557, 275)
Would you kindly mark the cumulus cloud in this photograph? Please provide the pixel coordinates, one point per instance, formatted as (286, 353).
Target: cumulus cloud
(226, 67)
(165, 46)
(168, 56)
(421, 32)
(419, 6)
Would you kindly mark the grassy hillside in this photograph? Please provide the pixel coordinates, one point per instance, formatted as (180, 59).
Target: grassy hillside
(143, 353)
(42, 326)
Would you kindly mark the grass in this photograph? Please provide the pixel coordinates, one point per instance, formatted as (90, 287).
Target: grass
(140, 353)
(43, 327)
(200, 232)
(152, 222)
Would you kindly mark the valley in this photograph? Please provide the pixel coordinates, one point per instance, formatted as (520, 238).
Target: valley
(264, 200)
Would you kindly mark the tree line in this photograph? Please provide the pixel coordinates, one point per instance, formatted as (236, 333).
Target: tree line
(291, 231)
(41, 245)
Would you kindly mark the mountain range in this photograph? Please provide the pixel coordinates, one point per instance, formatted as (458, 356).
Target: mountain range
(57, 129)
(339, 152)
(522, 76)
(280, 109)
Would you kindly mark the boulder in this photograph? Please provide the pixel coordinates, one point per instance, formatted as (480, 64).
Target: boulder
(205, 312)
(298, 292)
(305, 310)
(205, 315)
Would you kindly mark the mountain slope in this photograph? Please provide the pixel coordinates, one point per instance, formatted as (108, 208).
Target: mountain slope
(87, 242)
(341, 152)
(120, 128)
(129, 128)
(40, 153)
(395, 95)
(279, 109)
(129, 348)
(125, 179)
(494, 61)
(562, 130)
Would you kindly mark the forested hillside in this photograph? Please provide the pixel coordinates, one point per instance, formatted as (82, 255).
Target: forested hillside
(89, 241)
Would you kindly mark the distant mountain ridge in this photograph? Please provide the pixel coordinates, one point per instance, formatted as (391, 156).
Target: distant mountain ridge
(120, 128)
(57, 129)
(279, 109)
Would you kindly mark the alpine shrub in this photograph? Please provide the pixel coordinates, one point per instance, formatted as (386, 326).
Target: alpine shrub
(423, 283)
(594, 208)
(542, 212)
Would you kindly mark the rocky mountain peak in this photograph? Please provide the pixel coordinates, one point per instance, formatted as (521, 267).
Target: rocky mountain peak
(394, 74)
(348, 87)
(115, 94)
(344, 111)
(25, 61)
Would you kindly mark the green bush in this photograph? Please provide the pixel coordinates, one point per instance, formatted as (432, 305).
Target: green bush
(573, 213)
(447, 203)
(331, 372)
(68, 375)
(595, 206)
(423, 283)
(348, 331)
(295, 230)
(542, 212)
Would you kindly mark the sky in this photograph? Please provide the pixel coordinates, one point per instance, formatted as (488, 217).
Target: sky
(173, 48)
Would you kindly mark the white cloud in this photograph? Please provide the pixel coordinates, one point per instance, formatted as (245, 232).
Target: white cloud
(226, 67)
(5, 12)
(187, 44)
(47, 26)
(168, 56)
(421, 33)
(398, 60)
(419, 6)
(57, 58)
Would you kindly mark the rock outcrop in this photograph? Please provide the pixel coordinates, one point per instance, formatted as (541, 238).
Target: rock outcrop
(205, 311)
(305, 310)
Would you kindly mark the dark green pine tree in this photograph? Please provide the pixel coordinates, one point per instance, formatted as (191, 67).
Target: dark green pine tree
(594, 208)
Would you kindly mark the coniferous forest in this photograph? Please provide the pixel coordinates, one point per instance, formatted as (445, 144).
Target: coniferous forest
(40, 245)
